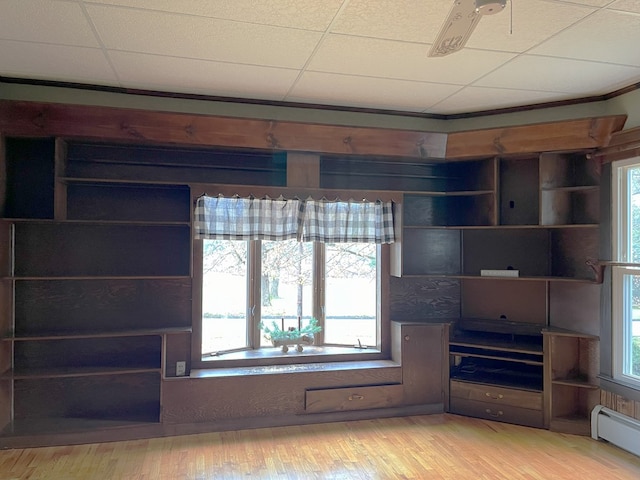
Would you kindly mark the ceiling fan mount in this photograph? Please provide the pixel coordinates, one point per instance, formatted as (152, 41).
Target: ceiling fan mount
(460, 23)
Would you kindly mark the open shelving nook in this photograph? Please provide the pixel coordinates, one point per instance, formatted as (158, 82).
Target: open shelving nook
(88, 308)
(510, 233)
(571, 379)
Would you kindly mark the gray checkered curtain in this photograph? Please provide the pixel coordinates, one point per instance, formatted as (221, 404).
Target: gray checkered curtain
(220, 218)
(352, 221)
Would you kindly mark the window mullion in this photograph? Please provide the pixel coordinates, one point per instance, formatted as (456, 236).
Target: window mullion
(319, 289)
(254, 264)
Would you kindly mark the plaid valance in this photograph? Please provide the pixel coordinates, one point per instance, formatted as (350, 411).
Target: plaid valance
(307, 220)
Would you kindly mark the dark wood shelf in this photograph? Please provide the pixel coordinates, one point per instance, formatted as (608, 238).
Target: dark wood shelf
(577, 188)
(480, 277)
(499, 345)
(117, 181)
(502, 227)
(97, 334)
(99, 277)
(68, 372)
(98, 222)
(488, 356)
(574, 383)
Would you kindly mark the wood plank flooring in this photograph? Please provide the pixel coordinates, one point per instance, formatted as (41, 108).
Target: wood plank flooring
(419, 447)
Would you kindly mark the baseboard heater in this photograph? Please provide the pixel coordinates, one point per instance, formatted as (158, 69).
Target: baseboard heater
(616, 428)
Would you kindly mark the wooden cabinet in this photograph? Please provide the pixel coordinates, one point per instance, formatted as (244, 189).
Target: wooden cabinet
(510, 231)
(497, 371)
(571, 379)
(421, 349)
(95, 278)
(353, 398)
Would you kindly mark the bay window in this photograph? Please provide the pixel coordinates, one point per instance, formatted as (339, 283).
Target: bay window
(286, 262)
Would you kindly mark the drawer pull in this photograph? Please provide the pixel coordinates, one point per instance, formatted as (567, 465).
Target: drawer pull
(355, 396)
(499, 413)
(494, 397)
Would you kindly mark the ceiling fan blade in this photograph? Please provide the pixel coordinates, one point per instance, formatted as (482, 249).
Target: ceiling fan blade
(457, 28)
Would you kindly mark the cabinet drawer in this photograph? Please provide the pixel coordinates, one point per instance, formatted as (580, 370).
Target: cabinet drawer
(353, 398)
(493, 411)
(496, 395)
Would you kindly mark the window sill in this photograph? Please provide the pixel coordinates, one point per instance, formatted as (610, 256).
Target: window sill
(275, 356)
(292, 368)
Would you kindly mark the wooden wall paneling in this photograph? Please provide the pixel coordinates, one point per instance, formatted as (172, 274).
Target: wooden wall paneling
(102, 250)
(558, 170)
(30, 177)
(4, 179)
(31, 118)
(102, 354)
(573, 250)
(519, 197)
(6, 249)
(513, 301)
(575, 306)
(130, 397)
(258, 394)
(303, 170)
(434, 252)
(177, 349)
(620, 404)
(60, 187)
(128, 203)
(521, 249)
(416, 299)
(101, 305)
(565, 135)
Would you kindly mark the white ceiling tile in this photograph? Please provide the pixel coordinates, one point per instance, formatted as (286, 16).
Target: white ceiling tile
(55, 62)
(380, 93)
(627, 5)
(533, 22)
(45, 21)
(182, 75)
(593, 39)
(205, 38)
(407, 20)
(551, 74)
(476, 99)
(306, 14)
(401, 60)
(592, 3)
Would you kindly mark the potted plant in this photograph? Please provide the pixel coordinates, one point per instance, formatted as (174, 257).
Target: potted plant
(281, 337)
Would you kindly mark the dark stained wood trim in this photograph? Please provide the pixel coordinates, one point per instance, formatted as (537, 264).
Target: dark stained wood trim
(624, 144)
(544, 137)
(119, 124)
(130, 125)
(317, 106)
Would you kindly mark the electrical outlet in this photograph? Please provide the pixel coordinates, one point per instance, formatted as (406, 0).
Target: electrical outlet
(181, 369)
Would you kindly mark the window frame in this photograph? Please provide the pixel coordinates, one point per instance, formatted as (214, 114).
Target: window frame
(256, 357)
(622, 266)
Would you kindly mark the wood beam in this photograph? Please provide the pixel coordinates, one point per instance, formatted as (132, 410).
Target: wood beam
(579, 134)
(107, 123)
(623, 145)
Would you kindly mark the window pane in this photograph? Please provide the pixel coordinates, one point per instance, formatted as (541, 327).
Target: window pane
(224, 295)
(286, 284)
(634, 215)
(631, 329)
(350, 294)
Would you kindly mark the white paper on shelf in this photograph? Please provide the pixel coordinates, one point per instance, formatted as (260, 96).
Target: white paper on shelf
(500, 273)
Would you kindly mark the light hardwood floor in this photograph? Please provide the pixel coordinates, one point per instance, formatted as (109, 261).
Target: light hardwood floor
(420, 447)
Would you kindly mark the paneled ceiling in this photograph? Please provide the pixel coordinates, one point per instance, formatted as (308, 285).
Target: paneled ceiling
(346, 53)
